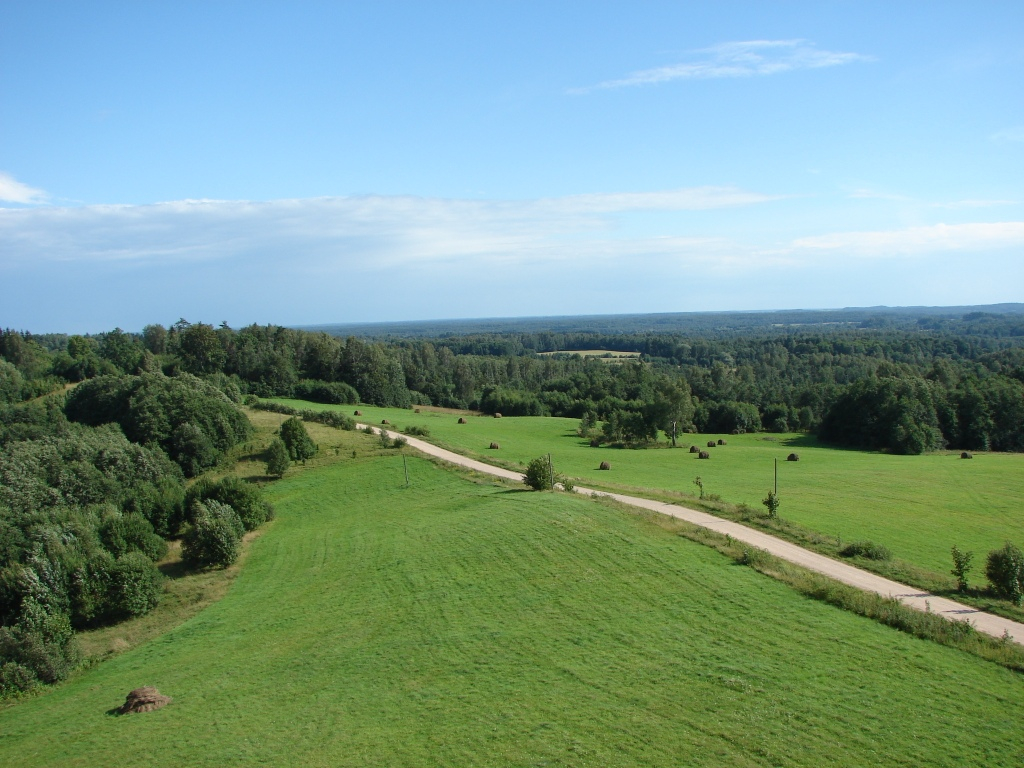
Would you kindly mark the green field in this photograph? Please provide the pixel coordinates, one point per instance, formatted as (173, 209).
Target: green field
(454, 623)
(918, 506)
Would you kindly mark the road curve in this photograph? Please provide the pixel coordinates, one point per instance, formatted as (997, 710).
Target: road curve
(996, 626)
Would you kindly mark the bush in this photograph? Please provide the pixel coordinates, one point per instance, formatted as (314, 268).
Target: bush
(297, 440)
(244, 498)
(215, 536)
(135, 585)
(866, 549)
(538, 474)
(131, 533)
(417, 431)
(277, 458)
(1005, 571)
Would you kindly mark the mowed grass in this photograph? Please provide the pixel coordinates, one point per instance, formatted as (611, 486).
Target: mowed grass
(453, 623)
(918, 506)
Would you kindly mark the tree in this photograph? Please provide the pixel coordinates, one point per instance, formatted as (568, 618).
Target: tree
(297, 440)
(277, 458)
(200, 349)
(961, 567)
(771, 503)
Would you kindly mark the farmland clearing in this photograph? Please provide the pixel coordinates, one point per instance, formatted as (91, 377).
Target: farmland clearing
(459, 622)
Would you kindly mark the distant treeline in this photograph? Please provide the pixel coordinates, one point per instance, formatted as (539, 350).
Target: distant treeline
(899, 381)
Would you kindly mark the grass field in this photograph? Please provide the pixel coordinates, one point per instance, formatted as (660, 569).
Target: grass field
(918, 506)
(454, 623)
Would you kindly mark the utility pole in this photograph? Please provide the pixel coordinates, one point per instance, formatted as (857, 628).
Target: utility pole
(776, 477)
(551, 472)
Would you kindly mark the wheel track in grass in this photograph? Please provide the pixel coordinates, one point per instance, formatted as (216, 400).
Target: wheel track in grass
(996, 626)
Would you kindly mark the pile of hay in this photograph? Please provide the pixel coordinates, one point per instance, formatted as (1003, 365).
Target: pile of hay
(461, 420)
(495, 446)
(793, 457)
(497, 415)
(703, 455)
(694, 449)
(384, 421)
(711, 443)
(144, 699)
(721, 441)
(966, 455)
(605, 465)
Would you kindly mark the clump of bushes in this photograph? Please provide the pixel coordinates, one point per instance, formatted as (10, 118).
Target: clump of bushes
(417, 431)
(245, 499)
(214, 539)
(866, 549)
(1005, 571)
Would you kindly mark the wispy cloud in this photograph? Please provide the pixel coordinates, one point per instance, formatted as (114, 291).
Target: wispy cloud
(915, 241)
(13, 191)
(365, 232)
(750, 58)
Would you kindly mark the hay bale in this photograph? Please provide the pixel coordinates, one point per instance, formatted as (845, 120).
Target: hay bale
(461, 420)
(495, 446)
(793, 457)
(711, 443)
(144, 699)
(497, 415)
(358, 413)
(721, 442)
(966, 455)
(694, 449)
(703, 455)
(605, 465)
(595, 443)
(417, 410)
(384, 421)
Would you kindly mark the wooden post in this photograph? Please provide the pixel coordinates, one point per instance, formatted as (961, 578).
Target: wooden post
(776, 477)
(673, 434)
(406, 465)
(551, 472)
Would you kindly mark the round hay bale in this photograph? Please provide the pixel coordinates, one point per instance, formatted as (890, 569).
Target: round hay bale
(793, 457)
(721, 442)
(144, 699)
(703, 455)
(966, 455)
(595, 443)
(461, 420)
(384, 421)
(495, 446)
(358, 413)
(711, 443)
(417, 410)
(694, 449)
(605, 465)
(497, 415)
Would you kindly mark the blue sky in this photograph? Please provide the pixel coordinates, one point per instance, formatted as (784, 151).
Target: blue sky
(317, 162)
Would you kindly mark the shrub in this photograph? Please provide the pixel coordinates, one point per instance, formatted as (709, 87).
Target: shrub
(131, 533)
(135, 585)
(417, 431)
(215, 536)
(277, 458)
(1005, 571)
(244, 498)
(866, 549)
(297, 440)
(538, 474)
(399, 442)
(771, 503)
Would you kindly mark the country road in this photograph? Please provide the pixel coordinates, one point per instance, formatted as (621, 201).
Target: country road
(843, 572)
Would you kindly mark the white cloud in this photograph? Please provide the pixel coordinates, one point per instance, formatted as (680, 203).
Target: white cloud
(13, 191)
(748, 58)
(367, 232)
(916, 241)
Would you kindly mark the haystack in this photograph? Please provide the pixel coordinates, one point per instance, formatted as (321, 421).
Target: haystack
(703, 455)
(605, 465)
(793, 457)
(144, 699)
(495, 446)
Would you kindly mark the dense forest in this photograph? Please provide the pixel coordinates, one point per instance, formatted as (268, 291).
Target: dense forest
(100, 435)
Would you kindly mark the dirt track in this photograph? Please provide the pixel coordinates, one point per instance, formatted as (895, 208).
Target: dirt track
(915, 598)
